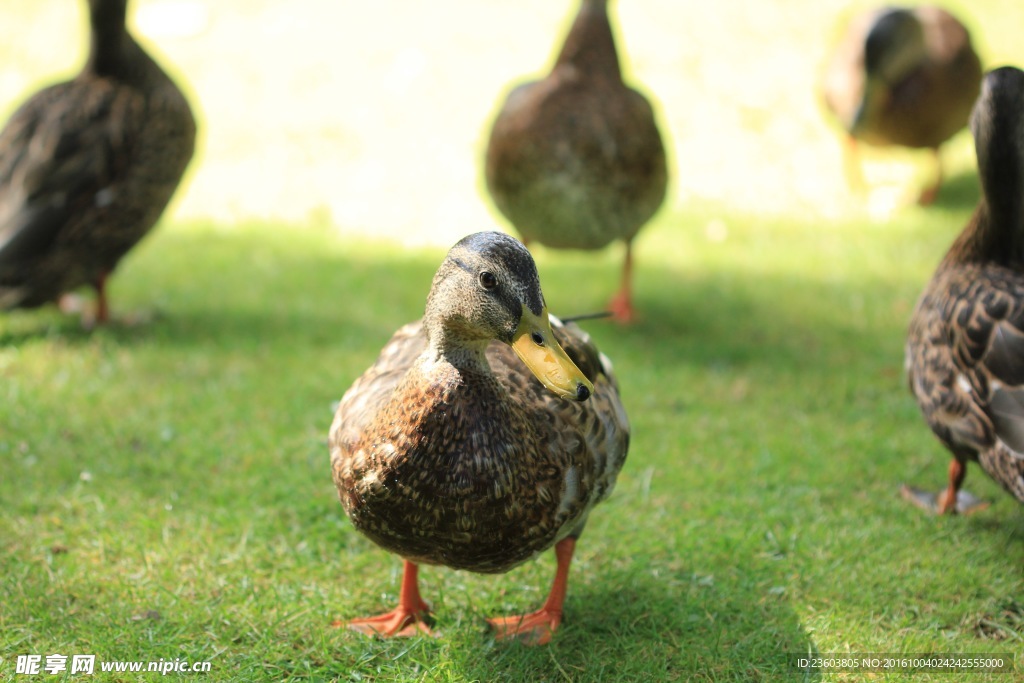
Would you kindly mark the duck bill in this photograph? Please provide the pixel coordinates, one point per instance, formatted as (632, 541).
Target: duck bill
(873, 101)
(534, 342)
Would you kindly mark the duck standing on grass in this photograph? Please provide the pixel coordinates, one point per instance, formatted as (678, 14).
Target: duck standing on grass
(87, 167)
(575, 160)
(906, 77)
(965, 350)
(475, 441)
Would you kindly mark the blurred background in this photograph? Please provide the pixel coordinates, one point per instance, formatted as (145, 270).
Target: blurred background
(372, 117)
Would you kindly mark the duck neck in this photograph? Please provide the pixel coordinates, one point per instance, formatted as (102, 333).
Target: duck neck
(449, 345)
(112, 50)
(590, 45)
(995, 232)
(1003, 202)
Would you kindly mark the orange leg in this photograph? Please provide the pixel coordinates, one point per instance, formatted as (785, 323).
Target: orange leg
(405, 620)
(929, 193)
(102, 309)
(852, 167)
(536, 628)
(947, 500)
(621, 304)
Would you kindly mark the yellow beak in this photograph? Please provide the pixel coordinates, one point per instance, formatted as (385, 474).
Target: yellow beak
(874, 100)
(535, 343)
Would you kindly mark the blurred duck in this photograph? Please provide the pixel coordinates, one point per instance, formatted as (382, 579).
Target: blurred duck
(576, 160)
(905, 77)
(482, 436)
(965, 349)
(87, 167)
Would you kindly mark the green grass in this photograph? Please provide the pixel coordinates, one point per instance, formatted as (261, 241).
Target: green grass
(166, 489)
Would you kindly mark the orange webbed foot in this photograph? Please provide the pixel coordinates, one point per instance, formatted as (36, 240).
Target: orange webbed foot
(621, 304)
(530, 629)
(400, 622)
(940, 503)
(410, 618)
(621, 308)
(928, 196)
(536, 628)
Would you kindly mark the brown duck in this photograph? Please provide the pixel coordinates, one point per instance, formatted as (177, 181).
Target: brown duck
(906, 77)
(482, 436)
(576, 160)
(965, 349)
(87, 167)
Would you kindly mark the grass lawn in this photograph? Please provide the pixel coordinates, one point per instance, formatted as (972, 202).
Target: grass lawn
(166, 489)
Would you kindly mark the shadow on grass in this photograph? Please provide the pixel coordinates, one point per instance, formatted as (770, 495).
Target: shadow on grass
(294, 292)
(46, 323)
(959, 192)
(221, 325)
(1004, 525)
(277, 293)
(633, 626)
(714, 323)
(629, 626)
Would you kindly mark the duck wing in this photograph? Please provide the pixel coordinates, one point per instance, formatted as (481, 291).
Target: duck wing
(967, 359)
(59, 153)
(994, 339)
(374, 388)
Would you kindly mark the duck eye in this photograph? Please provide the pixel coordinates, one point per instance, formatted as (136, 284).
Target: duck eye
(487, 280)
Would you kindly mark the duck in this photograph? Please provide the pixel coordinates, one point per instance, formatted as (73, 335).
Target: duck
(87, 167)
(482, 436)
(576, 160)
(903, 77)
(965, 345)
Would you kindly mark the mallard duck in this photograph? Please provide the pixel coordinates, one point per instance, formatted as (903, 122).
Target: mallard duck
(87, 167)
(965, 348)
(906, 77)
(482, 436)
(576, 160)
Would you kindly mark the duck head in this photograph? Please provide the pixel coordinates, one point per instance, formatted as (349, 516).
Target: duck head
(893, 49)
(487, 288)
